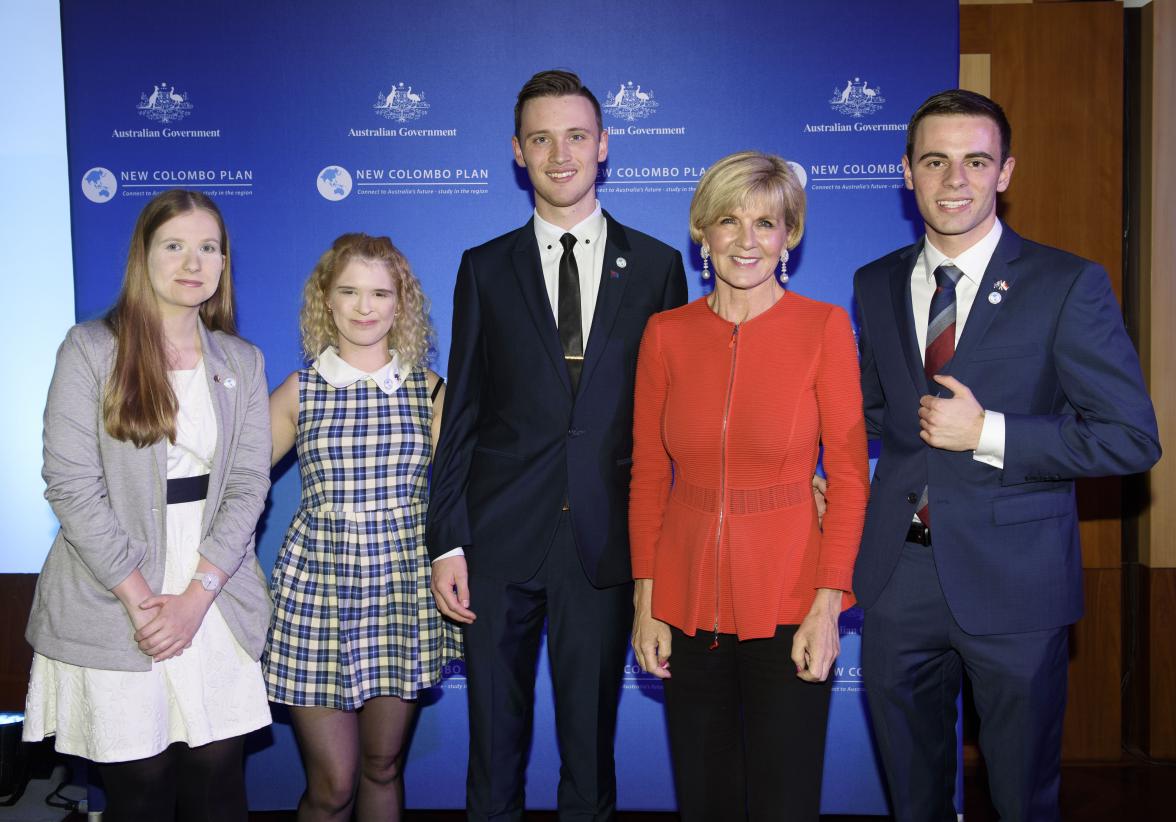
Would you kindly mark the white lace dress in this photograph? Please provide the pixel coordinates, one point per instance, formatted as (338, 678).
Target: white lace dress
(212, 691)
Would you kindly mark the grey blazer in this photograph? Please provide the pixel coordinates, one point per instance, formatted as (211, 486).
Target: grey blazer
(111, 500)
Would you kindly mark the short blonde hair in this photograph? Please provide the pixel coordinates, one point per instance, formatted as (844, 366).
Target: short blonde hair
(411, 334)
(742, 178)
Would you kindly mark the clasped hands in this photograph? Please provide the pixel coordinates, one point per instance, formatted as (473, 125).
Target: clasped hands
(952, 423)
(166, 623)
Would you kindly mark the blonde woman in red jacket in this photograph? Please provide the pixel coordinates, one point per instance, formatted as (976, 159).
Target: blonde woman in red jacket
(738, 587)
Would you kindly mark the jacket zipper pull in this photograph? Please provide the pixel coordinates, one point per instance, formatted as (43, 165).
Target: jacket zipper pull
(722, 484)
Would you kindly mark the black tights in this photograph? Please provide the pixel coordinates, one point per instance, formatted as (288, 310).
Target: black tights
(204, 784)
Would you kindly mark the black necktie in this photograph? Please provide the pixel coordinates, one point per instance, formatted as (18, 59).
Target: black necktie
(571, 331)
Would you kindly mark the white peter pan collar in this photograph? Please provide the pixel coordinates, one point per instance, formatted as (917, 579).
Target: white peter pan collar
(340, 374)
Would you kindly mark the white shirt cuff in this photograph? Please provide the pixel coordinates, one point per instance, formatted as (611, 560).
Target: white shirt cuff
(458, 552)
(991, 447)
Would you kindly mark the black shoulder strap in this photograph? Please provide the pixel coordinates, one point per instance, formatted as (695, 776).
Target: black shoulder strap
(437, 389)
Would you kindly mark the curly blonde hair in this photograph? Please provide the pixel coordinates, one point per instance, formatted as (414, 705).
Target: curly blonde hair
(411, 334)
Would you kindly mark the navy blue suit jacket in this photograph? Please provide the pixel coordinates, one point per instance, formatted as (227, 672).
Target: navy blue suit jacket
(515, 439)
(1054, 357)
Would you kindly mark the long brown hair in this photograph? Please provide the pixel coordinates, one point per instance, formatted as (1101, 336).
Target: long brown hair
(139, 405)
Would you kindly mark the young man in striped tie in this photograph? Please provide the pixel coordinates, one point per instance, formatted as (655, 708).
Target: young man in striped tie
(995, 371)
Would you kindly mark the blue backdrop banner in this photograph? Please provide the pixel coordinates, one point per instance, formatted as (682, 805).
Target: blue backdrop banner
(306, 120)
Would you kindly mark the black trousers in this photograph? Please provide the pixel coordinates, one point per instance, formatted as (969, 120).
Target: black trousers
(747, 737)
(587, 634)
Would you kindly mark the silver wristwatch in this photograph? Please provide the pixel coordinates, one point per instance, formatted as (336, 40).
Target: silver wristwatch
(210, 582)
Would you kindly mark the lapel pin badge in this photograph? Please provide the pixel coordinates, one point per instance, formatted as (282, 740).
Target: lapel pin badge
(227, 382)
(998, 288)
(622, 262)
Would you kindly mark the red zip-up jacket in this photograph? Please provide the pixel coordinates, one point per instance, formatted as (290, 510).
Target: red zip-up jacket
(727, 428)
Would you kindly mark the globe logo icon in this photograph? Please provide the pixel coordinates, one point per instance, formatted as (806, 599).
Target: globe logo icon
(99, 185)
(334, 183)
(800, 173)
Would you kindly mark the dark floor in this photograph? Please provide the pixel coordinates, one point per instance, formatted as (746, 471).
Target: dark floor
(1131, 790)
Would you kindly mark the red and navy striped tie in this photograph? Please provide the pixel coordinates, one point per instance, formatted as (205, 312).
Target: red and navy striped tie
(941, 334)
(941, 322)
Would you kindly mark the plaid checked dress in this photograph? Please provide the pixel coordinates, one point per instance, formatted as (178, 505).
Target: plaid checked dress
(353, 614)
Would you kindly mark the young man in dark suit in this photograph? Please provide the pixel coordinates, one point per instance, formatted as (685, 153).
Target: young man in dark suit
(528, 518)
(995, 371)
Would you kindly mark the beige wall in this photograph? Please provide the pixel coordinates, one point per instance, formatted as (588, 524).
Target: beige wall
(1158, 270)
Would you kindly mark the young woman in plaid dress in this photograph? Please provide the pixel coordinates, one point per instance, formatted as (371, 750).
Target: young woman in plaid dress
(355, 635)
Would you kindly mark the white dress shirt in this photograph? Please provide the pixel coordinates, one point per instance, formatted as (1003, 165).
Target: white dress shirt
(972, 264)
(590, 234)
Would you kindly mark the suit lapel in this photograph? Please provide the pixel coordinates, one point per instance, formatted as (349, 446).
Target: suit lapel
(224, 386)
(617, 267)
(983, 311)
(904, 316)
(529, 273)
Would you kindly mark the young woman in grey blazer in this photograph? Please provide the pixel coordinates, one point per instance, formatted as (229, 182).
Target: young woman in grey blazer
(151, 611)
